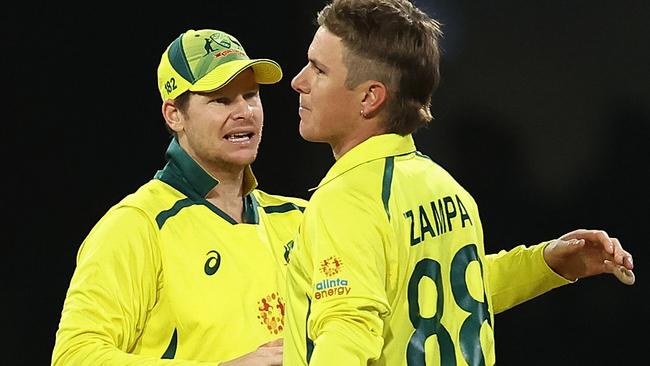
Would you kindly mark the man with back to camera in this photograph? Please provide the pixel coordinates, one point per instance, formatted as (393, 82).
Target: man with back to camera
(389, 266)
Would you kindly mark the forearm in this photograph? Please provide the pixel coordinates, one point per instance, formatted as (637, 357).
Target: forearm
(520, 274)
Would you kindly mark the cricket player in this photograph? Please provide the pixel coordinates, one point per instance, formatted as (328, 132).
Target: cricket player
(389, 266)
(189, 269)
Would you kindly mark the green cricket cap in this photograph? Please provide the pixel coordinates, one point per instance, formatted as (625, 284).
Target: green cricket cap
(207, 59)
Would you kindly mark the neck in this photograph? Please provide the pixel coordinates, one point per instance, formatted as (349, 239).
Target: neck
(228, 194)
(366, 130)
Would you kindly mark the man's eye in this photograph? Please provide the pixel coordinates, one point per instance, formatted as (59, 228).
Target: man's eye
(316, 69)
(222, 100)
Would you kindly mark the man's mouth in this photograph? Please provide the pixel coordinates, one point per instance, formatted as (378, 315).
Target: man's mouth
(239, 137)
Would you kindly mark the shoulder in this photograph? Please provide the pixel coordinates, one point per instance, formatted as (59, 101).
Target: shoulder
(136, 213)
(347, 200)
(152, 198)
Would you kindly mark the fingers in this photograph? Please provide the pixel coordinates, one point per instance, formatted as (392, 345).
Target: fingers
(263, 356)
(600, 238)
(268, 355)
(612, 246)
(272, 352)
(272, 355)
(274, 343)
(621, 256)
(622, 274)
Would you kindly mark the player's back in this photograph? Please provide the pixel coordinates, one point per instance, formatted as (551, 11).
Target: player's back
(385, 269)
(435, 283)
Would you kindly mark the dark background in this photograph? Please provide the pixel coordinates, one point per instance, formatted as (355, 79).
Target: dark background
(543, 114)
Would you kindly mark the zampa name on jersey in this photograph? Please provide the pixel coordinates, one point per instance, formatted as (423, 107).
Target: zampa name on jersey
(437, 218)
(331, 287)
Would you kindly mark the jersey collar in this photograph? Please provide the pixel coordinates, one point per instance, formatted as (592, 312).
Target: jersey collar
(376, 147)
(186, 175)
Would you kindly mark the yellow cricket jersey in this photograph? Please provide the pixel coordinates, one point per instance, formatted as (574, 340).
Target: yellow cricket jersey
(166, 278)
(389, 267)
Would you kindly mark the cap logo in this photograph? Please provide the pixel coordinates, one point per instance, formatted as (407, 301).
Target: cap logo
(228, 52)
(222, 47)
(220, 39)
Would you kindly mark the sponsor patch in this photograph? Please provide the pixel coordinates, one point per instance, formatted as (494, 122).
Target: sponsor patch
(271, 313)
(331, 287)
(331, 266)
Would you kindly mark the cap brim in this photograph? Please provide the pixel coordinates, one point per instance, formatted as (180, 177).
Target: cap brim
(266, 72)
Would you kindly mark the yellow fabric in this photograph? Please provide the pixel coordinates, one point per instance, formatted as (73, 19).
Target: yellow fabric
(138, 283)
(520, 274)
(389, 265)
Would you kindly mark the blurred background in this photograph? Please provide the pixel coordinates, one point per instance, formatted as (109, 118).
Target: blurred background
(543, 114)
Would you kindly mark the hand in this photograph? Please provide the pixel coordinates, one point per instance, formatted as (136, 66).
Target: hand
(268, 354)
(583, 253)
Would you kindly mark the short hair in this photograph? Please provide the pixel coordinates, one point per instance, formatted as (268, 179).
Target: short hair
(394, 42)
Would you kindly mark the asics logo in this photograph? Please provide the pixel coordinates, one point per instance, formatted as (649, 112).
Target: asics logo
(212, 263)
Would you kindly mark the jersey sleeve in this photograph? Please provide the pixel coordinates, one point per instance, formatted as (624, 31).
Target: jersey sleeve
(348, 280)
(520, 274)
(111, 291)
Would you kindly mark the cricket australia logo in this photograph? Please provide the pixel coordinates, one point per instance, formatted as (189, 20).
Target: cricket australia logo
(271, 313)
(287, 250)
(331, 266)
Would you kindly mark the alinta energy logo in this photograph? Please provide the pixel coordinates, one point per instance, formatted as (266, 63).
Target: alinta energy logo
(332, 287)
(271, 314)
(331, 266)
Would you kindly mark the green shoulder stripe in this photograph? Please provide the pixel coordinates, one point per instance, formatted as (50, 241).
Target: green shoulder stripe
(186, 202)
(285, 207)
(387, 182)
(179, 205)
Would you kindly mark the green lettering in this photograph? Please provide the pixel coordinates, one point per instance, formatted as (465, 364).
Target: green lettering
(449, 213)
(409, 215)
(425, 225)
(441, 228)
(463, 212)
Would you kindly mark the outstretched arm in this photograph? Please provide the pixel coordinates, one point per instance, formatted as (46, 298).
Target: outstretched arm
(584, 253)
(523, 273)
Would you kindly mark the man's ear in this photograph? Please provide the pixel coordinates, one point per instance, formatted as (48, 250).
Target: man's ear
(172, 115)
(374, 98)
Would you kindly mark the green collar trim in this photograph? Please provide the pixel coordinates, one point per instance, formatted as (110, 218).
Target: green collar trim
(184, 173)
(188, 177)
(376, 147)
(250, 210)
